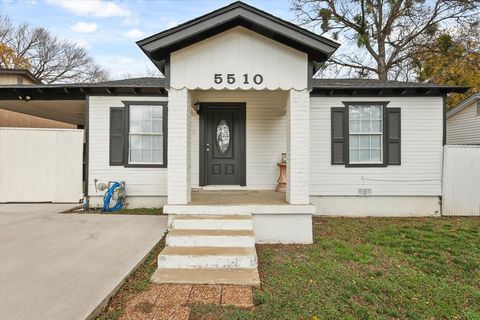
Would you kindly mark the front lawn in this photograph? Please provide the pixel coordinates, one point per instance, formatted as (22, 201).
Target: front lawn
(369, 268)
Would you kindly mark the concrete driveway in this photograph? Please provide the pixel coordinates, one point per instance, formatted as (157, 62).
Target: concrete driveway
(62, 266)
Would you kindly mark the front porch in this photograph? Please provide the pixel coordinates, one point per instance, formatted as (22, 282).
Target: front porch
(273, 122)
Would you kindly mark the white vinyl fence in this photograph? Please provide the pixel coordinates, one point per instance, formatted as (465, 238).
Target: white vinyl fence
(461, 180)
(41, 165)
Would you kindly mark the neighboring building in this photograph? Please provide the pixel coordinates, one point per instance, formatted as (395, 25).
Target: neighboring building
(463, 122)
(238, 92)
(17, 76)
(10, 118)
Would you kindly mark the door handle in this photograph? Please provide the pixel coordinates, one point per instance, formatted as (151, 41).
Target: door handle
(207, 148)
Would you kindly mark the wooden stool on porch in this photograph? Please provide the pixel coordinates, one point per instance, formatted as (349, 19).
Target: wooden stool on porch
(282, 178)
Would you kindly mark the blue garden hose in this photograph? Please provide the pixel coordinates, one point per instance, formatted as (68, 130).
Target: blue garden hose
(108, 196)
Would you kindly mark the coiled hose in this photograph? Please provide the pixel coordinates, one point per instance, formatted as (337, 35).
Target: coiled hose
(108, 196)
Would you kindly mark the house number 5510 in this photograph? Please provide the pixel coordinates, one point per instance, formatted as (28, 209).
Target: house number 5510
(218, 78)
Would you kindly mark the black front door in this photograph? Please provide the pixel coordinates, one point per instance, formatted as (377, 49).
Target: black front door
(222, 144)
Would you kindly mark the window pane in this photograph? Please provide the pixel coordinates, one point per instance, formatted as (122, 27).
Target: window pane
(376, 142)
(365, 126)
(376, 126)
(147, 112)
(376, 112)
(157, 126)
(158, 112)
(364, 142)
(375, 155)
(157, 142)
(364, 155)
(135, 126)
(354, 126)
(157, 155)
(354, 155)
(353, 142)
(146, 142)
(365, 112)
(146, 126)
(135, 142)
(135, 112)
(135, 155)
(147, 155)
(354, 113)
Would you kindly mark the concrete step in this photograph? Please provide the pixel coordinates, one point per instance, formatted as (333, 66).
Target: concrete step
(242, 276)
(213, 222)
(210, 238)
(207, 257)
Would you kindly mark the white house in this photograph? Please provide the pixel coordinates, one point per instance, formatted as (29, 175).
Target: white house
(463, 122)
(204, 142)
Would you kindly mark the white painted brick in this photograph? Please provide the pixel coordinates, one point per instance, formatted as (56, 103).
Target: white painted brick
(298, 139)
(178, 187)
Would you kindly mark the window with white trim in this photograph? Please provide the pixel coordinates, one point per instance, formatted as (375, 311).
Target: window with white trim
(365, 134)
(146, 134)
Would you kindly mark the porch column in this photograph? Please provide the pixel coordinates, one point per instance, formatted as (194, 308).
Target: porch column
(178, 186)
(298, 147)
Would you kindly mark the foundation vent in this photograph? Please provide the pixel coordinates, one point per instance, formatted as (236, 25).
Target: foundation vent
(364, 192)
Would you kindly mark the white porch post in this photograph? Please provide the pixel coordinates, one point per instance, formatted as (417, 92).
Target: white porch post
(178, 186)
(298, 147)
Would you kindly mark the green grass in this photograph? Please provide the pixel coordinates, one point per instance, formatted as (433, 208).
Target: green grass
(137, 211)
(372, 268)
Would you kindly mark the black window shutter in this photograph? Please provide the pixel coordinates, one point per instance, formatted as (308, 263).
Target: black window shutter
(117, 136)
(393, 136)
(338, 135)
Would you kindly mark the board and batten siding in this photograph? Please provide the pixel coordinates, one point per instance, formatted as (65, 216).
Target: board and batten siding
(139, 181)
(464, 126)
(421, 155)
(265, 129)
(240, 53)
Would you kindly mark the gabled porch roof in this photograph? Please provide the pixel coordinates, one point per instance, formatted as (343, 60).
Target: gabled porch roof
(159, 46)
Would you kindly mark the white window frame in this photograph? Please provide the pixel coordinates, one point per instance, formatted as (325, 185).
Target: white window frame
(152, 104)
(380, 133)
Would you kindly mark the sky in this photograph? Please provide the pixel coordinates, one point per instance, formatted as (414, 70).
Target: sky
(108, 30)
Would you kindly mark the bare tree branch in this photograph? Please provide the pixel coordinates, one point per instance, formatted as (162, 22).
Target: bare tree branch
(388, 32)
(50, 59)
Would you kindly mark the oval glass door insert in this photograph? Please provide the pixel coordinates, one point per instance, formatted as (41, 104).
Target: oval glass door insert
(223, 137)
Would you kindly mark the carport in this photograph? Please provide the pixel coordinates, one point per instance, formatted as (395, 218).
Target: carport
(61, 102)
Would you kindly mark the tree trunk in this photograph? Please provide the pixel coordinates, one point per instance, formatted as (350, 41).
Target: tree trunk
(382, 72)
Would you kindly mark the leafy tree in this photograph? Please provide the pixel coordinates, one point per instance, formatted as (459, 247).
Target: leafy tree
(48, 58)
(451, 59)
(10, 59)
(382, 35)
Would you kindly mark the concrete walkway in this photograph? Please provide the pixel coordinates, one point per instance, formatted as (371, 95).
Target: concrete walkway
(62, 266)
